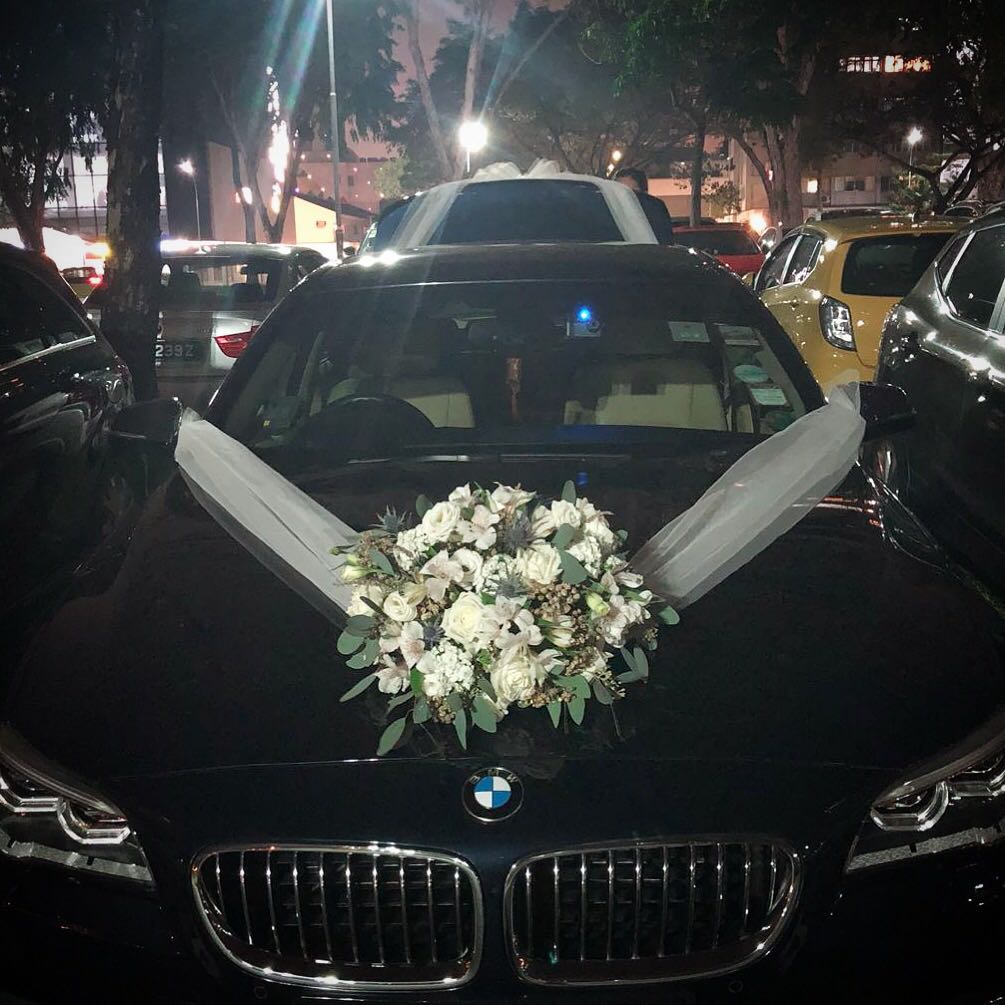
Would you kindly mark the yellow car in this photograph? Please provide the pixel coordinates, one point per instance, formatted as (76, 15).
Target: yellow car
(831, 283)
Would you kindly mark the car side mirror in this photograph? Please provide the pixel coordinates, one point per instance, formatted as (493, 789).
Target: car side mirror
(153, 422)
(885, 409)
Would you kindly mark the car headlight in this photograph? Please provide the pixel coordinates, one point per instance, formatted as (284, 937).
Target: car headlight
(47, 817)
(836, 324)
(957, 805)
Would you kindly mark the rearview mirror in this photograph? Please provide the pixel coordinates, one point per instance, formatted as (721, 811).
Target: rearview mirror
(154, 422)
(885, 409)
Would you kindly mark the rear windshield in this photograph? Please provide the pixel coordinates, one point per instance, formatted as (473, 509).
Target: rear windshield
(718, 242)
(889, 266)
(538, 362)
(513, 212)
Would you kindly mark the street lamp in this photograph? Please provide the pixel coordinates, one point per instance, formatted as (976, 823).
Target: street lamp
(336, 155)
(914, 137)
(187, 168)
(616, 156)
(474, 137)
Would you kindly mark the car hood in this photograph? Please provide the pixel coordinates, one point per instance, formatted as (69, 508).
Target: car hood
(181, 652)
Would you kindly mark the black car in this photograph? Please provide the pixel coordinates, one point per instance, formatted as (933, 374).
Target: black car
(61, 385)
(945, 346)
(805, 803)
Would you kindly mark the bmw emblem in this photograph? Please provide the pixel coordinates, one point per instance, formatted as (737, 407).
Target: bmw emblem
(493, 794)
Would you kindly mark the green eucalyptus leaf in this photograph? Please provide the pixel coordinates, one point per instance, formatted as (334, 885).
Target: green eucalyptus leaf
(415, 679)
(669, 616)
(563, 537)
(391, 736)
(367, 656)
(577, 685)
(483, 715)
(555, 711)
(577, 709)
(569, 492)
(348, 643)
(421, 711)
(641, 661)
(380, 561)
(454, 702)
(422, 506)
(359, 624)
(400, 700)
(631, 677)
(486, 685)
(572, 569)
(629, 659)
(375, 607)
(359, 687)
(602, 693)
(461, 727)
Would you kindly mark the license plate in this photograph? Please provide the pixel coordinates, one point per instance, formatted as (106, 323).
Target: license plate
(186, 349)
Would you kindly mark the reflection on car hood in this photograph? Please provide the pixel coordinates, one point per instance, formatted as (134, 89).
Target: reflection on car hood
(833, 647)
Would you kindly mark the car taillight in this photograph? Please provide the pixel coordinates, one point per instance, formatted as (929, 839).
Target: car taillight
(94, 280)
(234, 345)
(836, 324)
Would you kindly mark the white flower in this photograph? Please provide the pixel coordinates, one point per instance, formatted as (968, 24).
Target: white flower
(353, 571)
(462, 621)
(392, 677)
(563, 512)
(412, 644)
(632, 580)
(507, 495)
(480, 528)
(471, 562)
(623, 614)
(596, 603)
(390, 637)
(494, 568)
(462, 495)
(443, 571)
(539, 564)
(542, 523)
(560, 631)
(371, 591)
(596, 666)
(527, 633)
(409, 545)
(589, 554)
(398, 607)
(444, 670)
(515, 677)
(441, 521)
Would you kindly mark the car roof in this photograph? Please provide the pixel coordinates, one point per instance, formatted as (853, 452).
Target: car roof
(849, 228)
(710, 227)
(42, 267)
(237, 249)
(475, 263)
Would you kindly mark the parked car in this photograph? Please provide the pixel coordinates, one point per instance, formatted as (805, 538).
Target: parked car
(945, 346)
(213, 298)
(82, 279)
(810, 785)
(61, 386)
(831, 284)
(731, 243)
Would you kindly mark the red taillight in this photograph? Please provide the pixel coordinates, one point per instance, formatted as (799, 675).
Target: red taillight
(94, 280)
(234, 345)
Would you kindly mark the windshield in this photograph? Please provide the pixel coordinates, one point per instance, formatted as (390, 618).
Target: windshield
(203, 282)
(889, 266)
(718, 242)
(505, 362)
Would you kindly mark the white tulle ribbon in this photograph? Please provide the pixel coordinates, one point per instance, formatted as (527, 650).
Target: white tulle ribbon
(763, 495)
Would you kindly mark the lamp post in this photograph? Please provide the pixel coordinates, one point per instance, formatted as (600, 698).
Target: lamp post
(187, 168)
(474, 137)
(914, 137)
(336, 152)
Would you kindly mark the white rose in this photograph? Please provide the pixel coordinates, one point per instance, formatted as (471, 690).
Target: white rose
(397, 608)
(515, 677)
(540, 564)
(463, 619)
(542, 523)
(563, 512)
(372, 592)
(441, 520)
(506, 495)
(471, 562)
(589, 554)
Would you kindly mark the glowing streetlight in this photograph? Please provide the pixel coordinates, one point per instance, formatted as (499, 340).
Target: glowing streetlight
(616, 156)
(473, 137)
(914, 137)
(188, 168)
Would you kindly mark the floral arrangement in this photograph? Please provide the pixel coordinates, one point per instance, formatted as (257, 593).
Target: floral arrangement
(495, 599)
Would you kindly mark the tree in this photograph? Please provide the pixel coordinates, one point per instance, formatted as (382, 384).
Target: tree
(52, 65)
(132, 128)
(388, 178)
(261, 69)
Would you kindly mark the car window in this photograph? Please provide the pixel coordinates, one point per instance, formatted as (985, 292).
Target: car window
(803, 258)
(33, 318)
(210, 282)
(976, 280)
(724, 241)
(889, 266)
(510, 212)
(488, 362)
(947, 259)
(305, 263)
(774, 268)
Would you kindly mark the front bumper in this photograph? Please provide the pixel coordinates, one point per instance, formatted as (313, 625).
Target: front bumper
(925, 931)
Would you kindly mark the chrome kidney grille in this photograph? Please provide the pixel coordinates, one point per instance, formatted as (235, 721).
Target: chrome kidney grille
(355, 917)
(647, 912)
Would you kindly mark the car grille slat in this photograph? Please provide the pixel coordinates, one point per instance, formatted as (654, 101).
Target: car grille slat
(361, 916)
(647, 911)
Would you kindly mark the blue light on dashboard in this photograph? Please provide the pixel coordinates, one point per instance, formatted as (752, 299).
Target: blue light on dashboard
(585, 315)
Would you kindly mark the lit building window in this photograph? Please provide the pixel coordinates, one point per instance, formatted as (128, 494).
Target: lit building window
(812, 186)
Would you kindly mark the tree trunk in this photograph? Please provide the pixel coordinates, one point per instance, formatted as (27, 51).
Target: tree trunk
(481, 12)
(697, 169)
(411, 16)
(250, 234)
(27, 212)
(786, 169)
(761, 168)
(130, 319)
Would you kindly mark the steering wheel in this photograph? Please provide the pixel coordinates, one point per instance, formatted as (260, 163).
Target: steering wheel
(364, 424)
